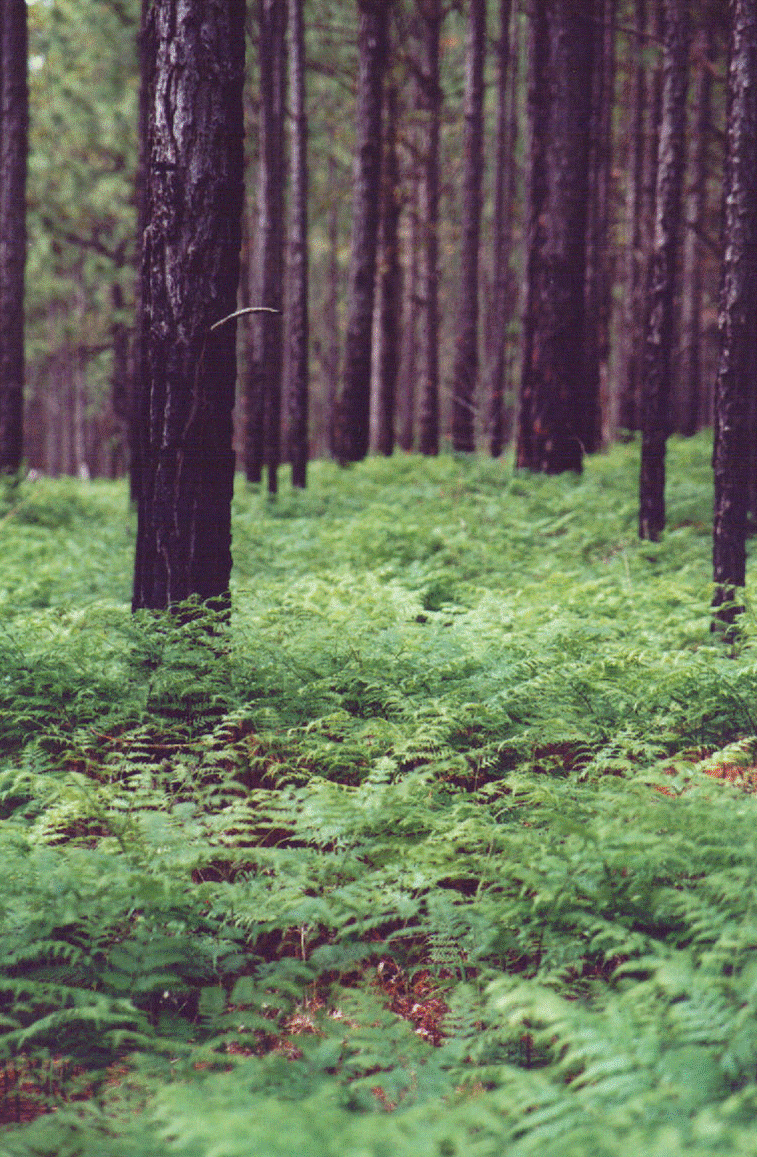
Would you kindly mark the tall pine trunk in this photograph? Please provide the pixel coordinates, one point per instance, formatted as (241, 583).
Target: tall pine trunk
(691, 388)
(14, 128)
(194, 58)
(599, 259)
(738, 356)
(140, 193)
(353, 423)
(465, 372)
(389, 283)
(658, 349)
(298, 327)
(264, 375)
(410, 319)
(551, 421)
(633, 308)
(504, 165)
(331, 311)
(431, 98)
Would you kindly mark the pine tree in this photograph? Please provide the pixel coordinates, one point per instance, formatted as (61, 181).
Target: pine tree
(738, 356)
(194, 55)
(353, 424)
(690, 407)
(502, 296)
(551, 391)
(264, 374)
(389, 285)
(465, 372)
(14, 128)
(656, 391)
(432, 14)
(298, 321)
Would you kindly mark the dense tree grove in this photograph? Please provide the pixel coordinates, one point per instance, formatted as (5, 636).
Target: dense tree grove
(454, 381)
(469, 223)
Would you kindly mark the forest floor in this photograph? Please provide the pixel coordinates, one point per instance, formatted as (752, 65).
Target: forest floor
(447, 849)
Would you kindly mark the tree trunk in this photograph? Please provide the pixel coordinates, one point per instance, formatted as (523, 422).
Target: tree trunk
(353, 428)
(194, 55)
(504, 165)
(738, 357)
(633, 308)
(390, 282)
(689, 408)
(298, 327)
(599, 272)
(140, 196)
(659, 337)
(263, 388)
(333, 352)
(120, 377)
(410, 314)
(431, 99)
(465, 370)
(14, 128)
(653, 120)
(551, 423)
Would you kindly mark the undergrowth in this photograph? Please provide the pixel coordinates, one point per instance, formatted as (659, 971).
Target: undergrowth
(445, 847)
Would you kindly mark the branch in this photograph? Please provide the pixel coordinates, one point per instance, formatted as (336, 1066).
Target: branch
(241, 313)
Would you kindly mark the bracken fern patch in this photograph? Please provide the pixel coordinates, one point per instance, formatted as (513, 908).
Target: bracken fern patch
(444, 846)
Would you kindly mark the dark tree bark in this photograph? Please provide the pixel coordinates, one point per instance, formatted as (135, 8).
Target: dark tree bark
(14, 128)
(194, 55)
(649, 25)
(502, 297)
(690, 408)
(298, 327)
(333, 352)
(635, 277)
(431, 100)
(659, 337)
(390, 282)
(410, 318)
(353, 428)
(738, 356)
(465, 371)
(599, 255)
(264, 375)
(550, 423)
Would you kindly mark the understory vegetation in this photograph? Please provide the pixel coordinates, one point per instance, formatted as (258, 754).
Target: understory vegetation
(446, 847)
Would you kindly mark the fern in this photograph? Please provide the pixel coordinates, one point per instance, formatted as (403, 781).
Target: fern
(426, 855)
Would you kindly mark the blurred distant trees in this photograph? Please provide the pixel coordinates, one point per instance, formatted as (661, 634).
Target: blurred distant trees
(386, 352)
(82, 234)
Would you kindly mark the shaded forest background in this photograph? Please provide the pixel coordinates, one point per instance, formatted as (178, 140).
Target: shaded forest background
(82, 221)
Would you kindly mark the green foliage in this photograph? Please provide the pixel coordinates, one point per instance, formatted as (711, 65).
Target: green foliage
(83, 93)
(425, 854)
